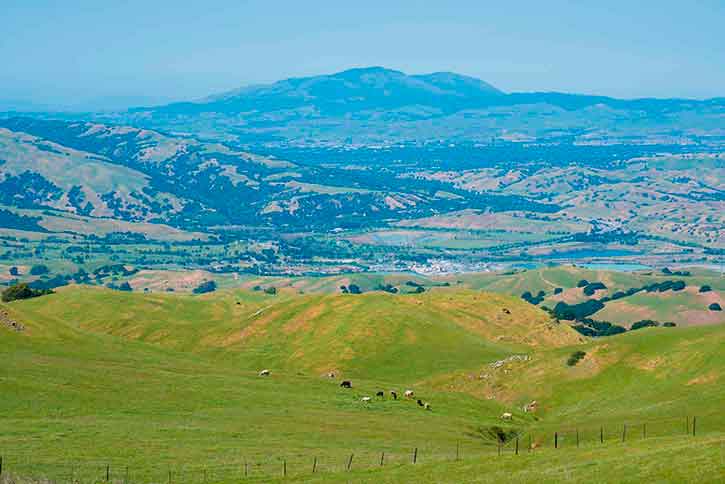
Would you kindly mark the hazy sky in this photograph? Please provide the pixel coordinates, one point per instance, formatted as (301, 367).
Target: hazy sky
(77, 51)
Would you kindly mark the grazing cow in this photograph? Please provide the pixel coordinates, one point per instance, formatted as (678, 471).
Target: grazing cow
(394, 395)
(420, 402)
(506, 311)
(408, 394)
(264, 373)
(346, 384)
(426, 406)
(365, 399)
(380, 394)
(506, 416)
(331, 374)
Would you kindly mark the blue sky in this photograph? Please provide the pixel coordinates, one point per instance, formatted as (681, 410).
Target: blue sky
(76, 51)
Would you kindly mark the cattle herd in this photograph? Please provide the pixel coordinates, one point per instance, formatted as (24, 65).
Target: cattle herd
(408, 394)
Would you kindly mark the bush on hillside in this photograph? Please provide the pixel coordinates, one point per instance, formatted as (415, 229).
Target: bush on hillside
(558, 290)
(528, 297)
(595, 329)
(575, 357)
(39, 270)
(705, 288)
(387, 288)
(570, 312)
(590, 289)
(22, 291)
(645, 323)
(271, 290)
(582, 283)
(14, 271)
(714, 307)
(205, 287)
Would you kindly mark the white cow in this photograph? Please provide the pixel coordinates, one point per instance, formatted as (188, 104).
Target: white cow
(506, 416)
(409, 394)
(365, 399)
(264, 373)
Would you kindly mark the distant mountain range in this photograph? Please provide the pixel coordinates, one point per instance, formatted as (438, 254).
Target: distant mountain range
(375, 88)
(376, 105)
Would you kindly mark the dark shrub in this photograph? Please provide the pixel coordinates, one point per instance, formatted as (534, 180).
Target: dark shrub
(590, 289)
(558, 290)
(38, 270)
(14, 271)
(678, 285)
(575, 357)
(563, 310)
(669, 324)
(204, 287)
(645, 323)
(270, 290)
(354, 289)
(22, 291)
(582, 283)
(714, 307)
(703, 288)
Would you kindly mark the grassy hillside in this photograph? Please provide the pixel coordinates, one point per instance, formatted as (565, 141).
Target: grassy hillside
(685, 308)
(370, 335)
(162, 382)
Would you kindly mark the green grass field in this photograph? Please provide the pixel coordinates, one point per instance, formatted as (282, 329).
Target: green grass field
(165, 383)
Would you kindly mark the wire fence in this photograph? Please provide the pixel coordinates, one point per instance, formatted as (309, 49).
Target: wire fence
(485, 442)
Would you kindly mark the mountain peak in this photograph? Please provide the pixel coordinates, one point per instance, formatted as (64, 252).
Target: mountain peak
(353, 90)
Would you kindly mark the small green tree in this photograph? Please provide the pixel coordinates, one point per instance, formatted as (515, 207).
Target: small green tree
(22, 291)
(39, 270)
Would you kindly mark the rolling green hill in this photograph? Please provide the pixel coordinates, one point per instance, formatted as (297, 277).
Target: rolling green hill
(162, 382)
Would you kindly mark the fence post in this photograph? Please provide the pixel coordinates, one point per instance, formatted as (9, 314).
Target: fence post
(349, 462)
(457, 450)
(556, 440)
(205, 475)
(415, 455)
(1, 466)
(694, 423)
(108, 473)
(314, 465)
(125, 476)
(284, 467)
(169, 476)
(246, 469)
(382, 458)
(624, 433)
(577, 438)
(644, 431)
(601, 434)
(517, 445)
